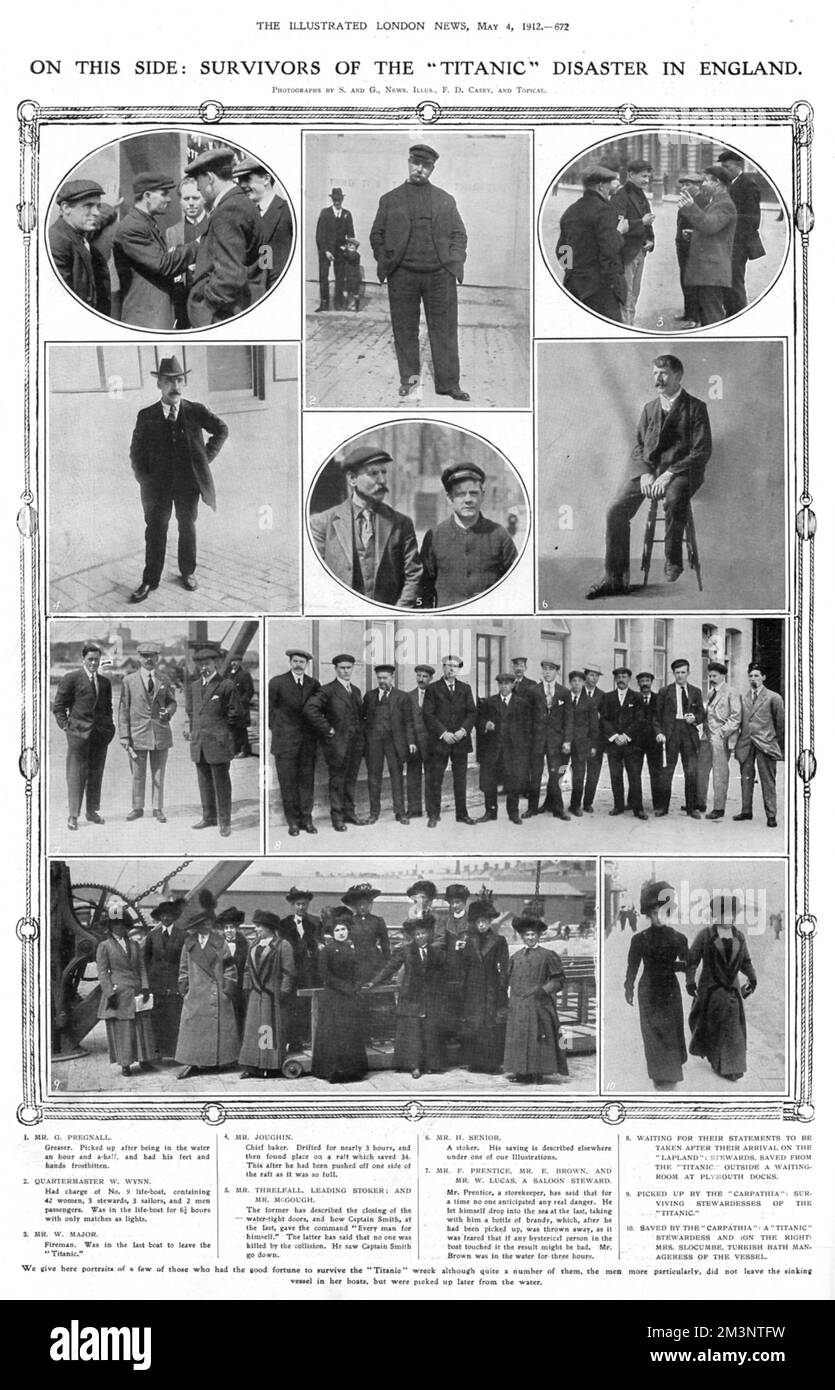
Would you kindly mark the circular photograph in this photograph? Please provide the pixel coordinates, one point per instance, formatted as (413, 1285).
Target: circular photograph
(661, 230)
(416, 514)
(170, 230)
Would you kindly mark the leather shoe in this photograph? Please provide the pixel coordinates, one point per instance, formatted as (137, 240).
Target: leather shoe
(226, 831)
(402, 820)
(94, 818)
(640, 815)
(745, 815)
(695, 815)
(72, 822)
(186, 1071)
(464, 820)
(661, 813)
(310, 827)
(432, 822)
(355, 820)
(606, 589)
(771, 822)
(339, 825)
(515, 820)
(372, 820)
(135, 815)
(140, 594)
(292, 830)
(488, 815)
(715, 815)
(189, 582)
(204, 824)
(161, 817)
(572, 812)
(560, 815)
(456, 393)
(618, 811)
(672, 573)
(526, 815)
(588, 810)
(416, 1074)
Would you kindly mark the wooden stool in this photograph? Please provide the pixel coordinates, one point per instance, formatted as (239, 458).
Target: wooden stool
(650, 539)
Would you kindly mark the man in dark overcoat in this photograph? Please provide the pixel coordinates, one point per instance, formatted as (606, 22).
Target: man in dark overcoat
(621, 720)
(275, 223)
(745, 195)
(710, 258)
(590, 247)
(333, 228)
(294, 740)
(214, 720)
(417, 764)
(503, 745)
(466, 554)
(161, 950)
(335, 712)
(79, 263)
(83, 708)
(418, 1039)
(227, 262)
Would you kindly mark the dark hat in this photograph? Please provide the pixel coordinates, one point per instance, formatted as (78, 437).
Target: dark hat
(230, 917)
(458, 891)
(299, 651)
(148, 649)
(385, 666)
(294, 894)
(203, 919)
(411, 924)
(459, 473)
(598, 173)
(523, 924)
(654, 892)
(754, 666)
(718, 666)
(679, 661)
(506, 678)
(357, 891)
(514, 659)
(352, 241)
(727, 155)
(718, 171)
(75, 189)
(424, 152)
(696, 177)
(363, 458)
(336, 193)
(481, 907)
(645, 675)
(423, 885)
(638, 166)
(341, 917)
(450, 656)
(271, 920)
(622, 670)
(578, 674)
(206, 650)
(724, 905)
(430, 670)
(170, 907)
(343, 656)
(169, 366)
(209, 159)
(248, 165)
(149, 183)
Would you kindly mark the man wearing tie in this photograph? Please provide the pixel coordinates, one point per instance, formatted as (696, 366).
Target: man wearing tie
(646, 740)
(215, 718)
(551, 740)
(678, 726)
(335, 712)
(146, 708)
(503, 747)
(333, 228)
(303, 933)
(417, 764)
(293, 740)
(584, 738)
(389, 737)
(722, 722)
(620, 723)
(449, 714)
(83, 708)
(761, 745)
(591, 677)
(147, 267)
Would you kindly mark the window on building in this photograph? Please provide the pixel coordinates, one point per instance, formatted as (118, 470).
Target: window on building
(660, 649)
(733, 655)
(553, 649)
(710, 648)
(489, 655)
(236, 369)
(620, 648)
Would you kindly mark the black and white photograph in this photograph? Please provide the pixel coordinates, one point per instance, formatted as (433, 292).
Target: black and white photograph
(417, 269)
(664, 231)
(256, 977)
(173, 478)
(453, 529)
(154, 736)
(695, 976)
(661, 475)
(170, 230)
(591, 734)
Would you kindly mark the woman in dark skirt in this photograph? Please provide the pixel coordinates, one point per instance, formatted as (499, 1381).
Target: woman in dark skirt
(717, 1019)
(485, 968)
(532, 1044)
(663, 953)
(123, 979)
(339, 1049)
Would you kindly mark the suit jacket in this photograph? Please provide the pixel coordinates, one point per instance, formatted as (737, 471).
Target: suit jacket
(552, 727)
(392, 227)
(745, 195)
(290, 730)
(78, 712)
(147, 268)
(337, 717)
(678, 441)
(508, 745)
(398, 573)
(183, 233)
(332, 232)
(723, 715)
(418, 723)
(161, 954)
(149, 445)
(214, 714)
(711, 245)
(666, 722)
(590, 248)
(422, 990)
(447, 712)
(617, 718)
(277, 233)
(401, 719)
(121, 969)
(585, 723)
(646, 737)
(631, 202)
(763, 724)
(146, 721)
(227, 260)
(80, 265)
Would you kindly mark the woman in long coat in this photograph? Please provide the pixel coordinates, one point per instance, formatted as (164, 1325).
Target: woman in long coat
(268, 989)
(122, 977)
(532, 1048)
(719, 954)
(662, 952)
(485, 970)
(339, 1049)
(208, 982)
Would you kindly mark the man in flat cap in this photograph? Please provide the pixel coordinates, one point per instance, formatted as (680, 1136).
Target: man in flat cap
(620, 723)
(146, 708)
(228, 256)
(293, 740)
(215, 716)
(590, 246)
(583, 736)
(333, 228)
(171, 462)
(745, 195)
(80, 265)
(723, 718)
(449, 713)
(713, 223)
(83, 709)
(505, 735)
(366, 544)
(692, 181)
(389, 737)
(146, 265)
(275, 222)
(594, 764)
(631, 202)
(678, 728)
(335, 712)
(420, 246)
(667, 461)
(417, 763)
(650, 748)
(466, 554)
(551, 742)
(761, 744)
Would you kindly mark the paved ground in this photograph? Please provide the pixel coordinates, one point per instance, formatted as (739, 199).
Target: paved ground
(350, 359)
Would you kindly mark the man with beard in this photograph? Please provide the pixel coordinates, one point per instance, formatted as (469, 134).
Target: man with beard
(590, 246)
(80, 265)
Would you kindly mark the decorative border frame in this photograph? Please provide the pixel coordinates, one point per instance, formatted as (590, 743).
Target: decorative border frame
(35, 1107)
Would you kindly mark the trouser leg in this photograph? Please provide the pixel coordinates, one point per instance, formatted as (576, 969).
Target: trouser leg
(222, 792)
(185, 506)
(720, 761)
(158, 760)
(555, 800)
(633, 759)
(440, 302)
(395, 771)
(324, 279)
(352, 767)
(703, 770)
(157, 505)
(633, 273)
(676, 502)
(618, 517)
(206, 787)
(767, 773)
(736, 297)
(96, 758)
(593, 768)
(711, 303)
(77, 762)
(616, 762)
(459, 783)
(603, 301)
(374, 768)
(404, 306)
(579, 764)
(289, 782)
(434, 793)
(746, 779)
(140, 774)
(338, 280)
(414, 785)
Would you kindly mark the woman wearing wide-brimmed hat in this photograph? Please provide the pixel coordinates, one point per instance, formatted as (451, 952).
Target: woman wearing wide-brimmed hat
(339, 1050)
(268, 989)
(122, 980)
(662, 952)
(719, 955)
(532, 1045)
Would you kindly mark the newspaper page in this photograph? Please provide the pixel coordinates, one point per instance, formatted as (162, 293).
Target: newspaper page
(417, 855)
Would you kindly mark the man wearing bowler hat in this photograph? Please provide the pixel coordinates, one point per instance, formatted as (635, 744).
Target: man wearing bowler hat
(420, 246)
(228, 255)
(146, 265)
(417, 764)
(146, 708)
(504, 739)
(80, 265)
(389, 737)
(215, 717)
(678, 727)
(336, 713)
(366, 544)
(274, 220)
(466, 554)
(293, 740)
(333, 228)
(170, 461)
(620, 727)
(590, 246)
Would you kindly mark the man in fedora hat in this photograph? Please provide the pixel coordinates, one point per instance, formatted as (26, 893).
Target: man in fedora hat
(389, 737)
(467, 553)
(161, 950)
(228, 254)
(420, 246)
(590, 246)
(214, 718)
(274, 220)
(146, 265)
(293, 740)
(146, 708)
(80, 265)
(367, 545)
(335, 712)
(333, 228)
(170, 461)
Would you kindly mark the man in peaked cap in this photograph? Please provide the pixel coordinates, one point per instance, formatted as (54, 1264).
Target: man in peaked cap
(215, 717)
(170, 461)
(590, 246)
(366, 544)
(420, 246)
(293, 740)
(723, 719)
(80, 265)
(146, 708)
(417, 763)
(333, 228)
(227, 263)
(712, 221)
(631, 202)
(146, 265)
(745, 195)
(335, 712)
(389, 737)
(693, 183)
(466, 554)
(274, 220)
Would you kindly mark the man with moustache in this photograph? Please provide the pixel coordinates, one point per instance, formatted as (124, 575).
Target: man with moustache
(146, 708)
(227, 261)
(551, 742)
(678, 725)
(709, 261)
(215, 716)
(274, 220)
(632, 203)
(761, 745)
(294, 740)
(83, 708)
(80, 265)
(449, 713)
(620, 725)
(722, 723)
(146, 265)
(333, 228)
(335, 712)
(365, 544)
(584, 737)
(466, 554)
(646, 741)
(389, 737)
(417, 763)
(590, 246)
